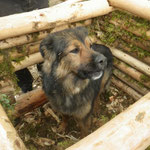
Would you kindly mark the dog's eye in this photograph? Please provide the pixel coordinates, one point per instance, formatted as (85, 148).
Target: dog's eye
(75, 51)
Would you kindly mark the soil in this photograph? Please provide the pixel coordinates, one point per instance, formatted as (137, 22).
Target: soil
(39, 128)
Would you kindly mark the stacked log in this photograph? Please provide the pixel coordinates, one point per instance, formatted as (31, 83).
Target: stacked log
(130, 41)
(128, 38)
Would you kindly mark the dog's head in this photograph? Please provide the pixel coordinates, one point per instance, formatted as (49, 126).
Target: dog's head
(71, 52)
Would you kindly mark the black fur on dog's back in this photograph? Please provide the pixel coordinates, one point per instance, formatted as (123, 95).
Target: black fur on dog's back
(67, 73)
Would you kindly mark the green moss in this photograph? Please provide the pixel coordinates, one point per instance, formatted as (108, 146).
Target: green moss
(31, 146)
(148, 148)
(140, 84)
(65, 144)
(6, 68)
(130, 19)
(104, 119)
(144, 78)
(114, 35)
(35, 36)
(116, 61)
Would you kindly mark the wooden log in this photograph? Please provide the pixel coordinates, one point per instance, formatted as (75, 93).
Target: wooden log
(140, 8)
(9, 139)
(130, 82)
(23, 39)
(130, 91)
(120, 44)
(127, 131)
(32, 37)
(7, 89)
(124, 46)
(131, 72)
(28, 61)
(29, 101)
(131, 61)
(14, 25)
(27, 50)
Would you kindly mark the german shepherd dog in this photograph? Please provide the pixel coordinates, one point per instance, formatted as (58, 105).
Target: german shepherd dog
(74, 72)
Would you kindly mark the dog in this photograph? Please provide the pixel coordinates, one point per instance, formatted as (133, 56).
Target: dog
(74, 72)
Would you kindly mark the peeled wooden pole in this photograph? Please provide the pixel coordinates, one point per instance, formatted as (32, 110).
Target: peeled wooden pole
(130, 82)
(23, 39)
(9, 139)
(14, 25)
(32, 37)
(137, 7)
(131, 61)
(27, 51)
(28, 61)
(131, 72)
(127, 131)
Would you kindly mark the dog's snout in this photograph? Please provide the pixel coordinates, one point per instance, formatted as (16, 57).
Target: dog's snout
(100, 59)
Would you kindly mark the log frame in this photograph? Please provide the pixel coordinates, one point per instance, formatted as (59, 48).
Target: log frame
(144, 104)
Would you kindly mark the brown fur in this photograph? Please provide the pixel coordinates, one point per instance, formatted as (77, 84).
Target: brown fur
(70, 71)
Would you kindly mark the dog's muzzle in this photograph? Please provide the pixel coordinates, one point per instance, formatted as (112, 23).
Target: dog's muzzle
(95, 69)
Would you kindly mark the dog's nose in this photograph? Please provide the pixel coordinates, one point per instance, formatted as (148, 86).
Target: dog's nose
(100, 59)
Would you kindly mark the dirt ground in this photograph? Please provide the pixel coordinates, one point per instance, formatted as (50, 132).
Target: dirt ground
(39, 128)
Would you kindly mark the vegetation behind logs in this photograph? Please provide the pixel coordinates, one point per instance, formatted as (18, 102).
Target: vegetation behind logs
(128, 33)
(125, 31)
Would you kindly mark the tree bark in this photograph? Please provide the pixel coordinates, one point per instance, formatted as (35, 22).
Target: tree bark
(29, 101)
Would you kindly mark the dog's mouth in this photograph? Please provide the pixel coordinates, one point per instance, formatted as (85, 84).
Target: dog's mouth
(94, 75)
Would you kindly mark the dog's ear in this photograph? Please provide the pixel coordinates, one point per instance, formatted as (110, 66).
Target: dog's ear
(82, 31)
(46, 45)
